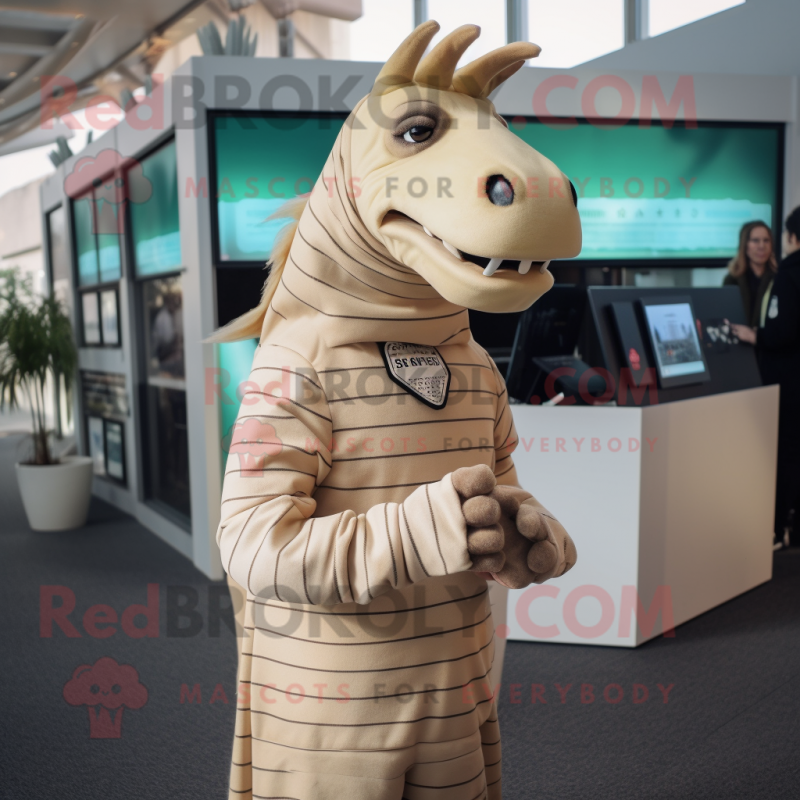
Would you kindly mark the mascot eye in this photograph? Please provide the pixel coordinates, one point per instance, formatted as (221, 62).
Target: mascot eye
(417, 134)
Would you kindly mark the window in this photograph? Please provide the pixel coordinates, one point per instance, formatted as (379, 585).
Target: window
(155, 227)
(378, 31)
(666, 15)
(490, 16)
(167, 475)
(97, 225)
(100, 318)
(163, 301)
(59, 256)
(97, 221)
(85, 240)
(105, 404)
(571, 32)
(165, 429)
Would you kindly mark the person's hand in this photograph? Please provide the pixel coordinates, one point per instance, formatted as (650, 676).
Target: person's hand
(743, 333)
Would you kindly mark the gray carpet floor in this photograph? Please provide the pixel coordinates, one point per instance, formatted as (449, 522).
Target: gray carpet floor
(729, 728)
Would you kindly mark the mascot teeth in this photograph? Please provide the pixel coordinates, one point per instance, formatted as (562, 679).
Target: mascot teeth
(492, 266)
(544, 267)
(524, 266)
(451, 249)
(428, 232)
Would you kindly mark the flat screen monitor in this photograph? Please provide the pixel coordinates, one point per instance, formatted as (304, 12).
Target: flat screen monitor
(550, 327)
(155, 226)
(676, 194)
(259, 161)
(675, 342)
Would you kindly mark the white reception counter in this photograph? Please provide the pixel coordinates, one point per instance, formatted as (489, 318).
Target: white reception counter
(671, 507)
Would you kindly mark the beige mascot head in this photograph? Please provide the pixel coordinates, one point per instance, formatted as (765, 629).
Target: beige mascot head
(429, 179)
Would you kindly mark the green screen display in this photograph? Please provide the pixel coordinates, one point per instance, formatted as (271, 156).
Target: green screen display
(260, 164)
(85, 239)
(643, 193)
(98, 252)
(154, 213)
(660, 193)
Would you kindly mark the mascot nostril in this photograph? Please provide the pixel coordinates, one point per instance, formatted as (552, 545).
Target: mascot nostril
(499, 190)
(574, 193)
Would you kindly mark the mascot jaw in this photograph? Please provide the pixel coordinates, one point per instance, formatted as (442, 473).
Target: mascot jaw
(491, 265)
(457, 278)
(488, 264)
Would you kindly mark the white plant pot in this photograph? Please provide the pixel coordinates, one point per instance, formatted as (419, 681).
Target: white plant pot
(56, 497)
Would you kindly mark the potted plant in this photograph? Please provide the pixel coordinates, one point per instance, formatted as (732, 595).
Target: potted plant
(36, 344)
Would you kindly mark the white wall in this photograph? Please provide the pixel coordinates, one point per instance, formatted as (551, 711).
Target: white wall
(21, 232)
(759, 38)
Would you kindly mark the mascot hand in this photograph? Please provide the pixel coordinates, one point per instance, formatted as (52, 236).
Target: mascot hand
(525, 520)
(482, 513)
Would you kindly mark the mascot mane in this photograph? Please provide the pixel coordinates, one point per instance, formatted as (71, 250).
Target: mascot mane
(249, 325)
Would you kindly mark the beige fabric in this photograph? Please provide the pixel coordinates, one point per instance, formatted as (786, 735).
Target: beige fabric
(344, 505)
(369, 659)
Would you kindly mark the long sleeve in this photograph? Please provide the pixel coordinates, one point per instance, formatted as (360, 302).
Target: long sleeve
(505, 434)
(269, 539)
(781, 329)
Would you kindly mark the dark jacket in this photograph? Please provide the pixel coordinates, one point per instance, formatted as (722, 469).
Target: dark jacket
(778, 340)
(752, 306)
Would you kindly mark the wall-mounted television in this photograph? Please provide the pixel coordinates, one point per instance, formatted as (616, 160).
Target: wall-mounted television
(674, 195)
(258, 162)
(654, 195)
(153, 202)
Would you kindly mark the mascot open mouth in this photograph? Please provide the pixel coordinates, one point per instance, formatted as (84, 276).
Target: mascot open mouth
(488, 264)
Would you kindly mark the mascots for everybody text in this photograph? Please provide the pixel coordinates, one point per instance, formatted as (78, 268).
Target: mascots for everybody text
(370, 497)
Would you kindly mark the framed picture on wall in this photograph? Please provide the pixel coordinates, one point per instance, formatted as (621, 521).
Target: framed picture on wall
(115, 450)
(109, 317)
(91, 318)
(94, 428)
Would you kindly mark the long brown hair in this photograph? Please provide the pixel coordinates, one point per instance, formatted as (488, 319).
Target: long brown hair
(738, 264)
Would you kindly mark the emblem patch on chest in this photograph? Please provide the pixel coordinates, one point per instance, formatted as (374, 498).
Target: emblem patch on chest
(419, 369)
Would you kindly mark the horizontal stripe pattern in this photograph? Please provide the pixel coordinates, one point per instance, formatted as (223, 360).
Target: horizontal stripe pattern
(364, 629)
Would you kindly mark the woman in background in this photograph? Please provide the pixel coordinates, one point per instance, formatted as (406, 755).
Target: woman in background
(777, 340)
(753, 269)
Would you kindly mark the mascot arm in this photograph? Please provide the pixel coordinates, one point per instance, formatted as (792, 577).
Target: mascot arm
(270, 540)
(536, 545)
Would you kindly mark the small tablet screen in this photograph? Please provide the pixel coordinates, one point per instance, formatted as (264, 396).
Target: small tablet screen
(676, 345)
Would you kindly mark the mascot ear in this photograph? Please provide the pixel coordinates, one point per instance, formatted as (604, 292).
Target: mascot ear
(485, 74)
(399, 69)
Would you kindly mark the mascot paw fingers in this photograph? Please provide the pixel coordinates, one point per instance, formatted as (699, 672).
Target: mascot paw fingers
(473, 481)
(509, 498)
(481, 511)
(542, 557)
(531, 524)
(486, 540)
(490, 563)
(514, 575)
(570, 553)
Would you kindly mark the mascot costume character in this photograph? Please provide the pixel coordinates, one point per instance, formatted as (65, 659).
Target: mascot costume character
(370, 497)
